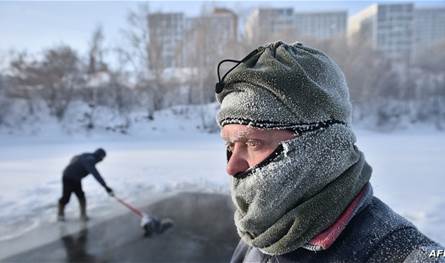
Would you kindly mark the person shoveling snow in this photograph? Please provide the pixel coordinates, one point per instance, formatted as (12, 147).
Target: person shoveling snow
(79, 167)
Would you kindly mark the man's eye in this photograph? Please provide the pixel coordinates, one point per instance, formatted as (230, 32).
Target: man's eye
(229, 146)
(253, 144)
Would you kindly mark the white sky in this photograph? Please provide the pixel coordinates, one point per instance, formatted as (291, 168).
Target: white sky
(36, 25)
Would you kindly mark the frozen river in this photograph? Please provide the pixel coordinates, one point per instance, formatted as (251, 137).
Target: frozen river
(408, 174)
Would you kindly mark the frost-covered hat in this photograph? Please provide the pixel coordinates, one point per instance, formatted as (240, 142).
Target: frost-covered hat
(286, 87)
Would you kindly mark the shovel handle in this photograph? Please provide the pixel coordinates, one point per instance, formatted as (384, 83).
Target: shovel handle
(132, 208)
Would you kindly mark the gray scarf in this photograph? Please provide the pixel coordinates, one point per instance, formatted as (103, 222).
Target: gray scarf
(284, 203)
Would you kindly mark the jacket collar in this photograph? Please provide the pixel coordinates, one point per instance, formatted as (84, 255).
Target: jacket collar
(326, 238)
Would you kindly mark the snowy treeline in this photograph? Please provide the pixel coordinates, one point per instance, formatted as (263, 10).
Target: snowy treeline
(389, 95)
(128, 82)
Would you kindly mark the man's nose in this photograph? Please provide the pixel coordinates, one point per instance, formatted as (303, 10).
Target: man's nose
(237, 163)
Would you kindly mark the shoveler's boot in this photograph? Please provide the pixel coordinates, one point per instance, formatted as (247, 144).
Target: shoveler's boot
(83, 209)
(61, 212)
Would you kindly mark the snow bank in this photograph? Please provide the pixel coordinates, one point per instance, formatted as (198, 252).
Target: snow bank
(80, 120)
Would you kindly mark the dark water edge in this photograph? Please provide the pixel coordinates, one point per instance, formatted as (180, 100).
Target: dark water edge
(203, 232)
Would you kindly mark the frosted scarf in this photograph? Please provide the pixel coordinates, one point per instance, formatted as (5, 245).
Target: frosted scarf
(300, 190)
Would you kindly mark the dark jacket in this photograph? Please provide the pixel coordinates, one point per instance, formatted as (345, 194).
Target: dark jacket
(81, 166)
(374, 234)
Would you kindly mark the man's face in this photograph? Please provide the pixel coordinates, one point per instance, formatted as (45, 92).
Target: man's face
(249, 146)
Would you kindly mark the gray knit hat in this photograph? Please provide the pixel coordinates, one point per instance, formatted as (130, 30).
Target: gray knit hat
(285, 87)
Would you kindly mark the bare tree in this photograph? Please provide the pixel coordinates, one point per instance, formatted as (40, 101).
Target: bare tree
(136, 34)
(96, 52)
(144, 55)
(21, 79)
(4, 102)
(54, 77)
(97, 70)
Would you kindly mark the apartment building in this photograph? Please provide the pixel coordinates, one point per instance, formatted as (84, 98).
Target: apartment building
(321, 25)
(166, 31)
(225, 24)
(388, 27)
(267, 22)
(275, 21)
(171, 34)
(429, 27)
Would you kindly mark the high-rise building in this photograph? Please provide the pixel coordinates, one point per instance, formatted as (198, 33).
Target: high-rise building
(207, 36)
(219, 26)
(321, 25)
(429, 25)
(270, 22)
(388, 27)
(226, 24)
(172, 34)
(166, 32)
(267, 22)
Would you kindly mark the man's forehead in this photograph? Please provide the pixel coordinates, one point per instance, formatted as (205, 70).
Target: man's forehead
(237, 131)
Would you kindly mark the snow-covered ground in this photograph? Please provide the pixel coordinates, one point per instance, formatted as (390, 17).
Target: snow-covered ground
(408, 171)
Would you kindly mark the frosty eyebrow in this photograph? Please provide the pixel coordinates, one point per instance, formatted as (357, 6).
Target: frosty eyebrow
(245, 139)
(241, 138)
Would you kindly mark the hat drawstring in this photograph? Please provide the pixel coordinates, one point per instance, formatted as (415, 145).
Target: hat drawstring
(220, 85)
